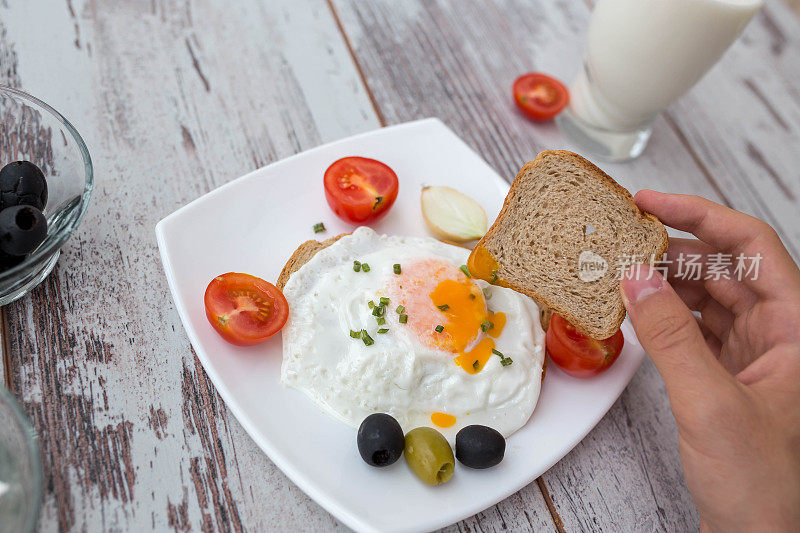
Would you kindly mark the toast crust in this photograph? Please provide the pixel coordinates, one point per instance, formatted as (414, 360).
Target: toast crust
(302, 255)
(483, 254)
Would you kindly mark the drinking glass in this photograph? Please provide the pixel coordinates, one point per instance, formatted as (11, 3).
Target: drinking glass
(20, 469)
(642, 55)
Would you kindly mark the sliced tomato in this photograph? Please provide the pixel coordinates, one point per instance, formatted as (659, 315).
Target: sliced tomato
(539, 96)
(579, 355)
(245, 309)
(359, 189)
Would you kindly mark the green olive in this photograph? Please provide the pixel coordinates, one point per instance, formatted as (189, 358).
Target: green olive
(429, 455)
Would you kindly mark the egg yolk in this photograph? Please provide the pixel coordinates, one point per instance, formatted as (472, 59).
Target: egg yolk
(474, 360)
(499, 322)
(443, 420)
(446, 310)
(483, 265)
(463, 311)
(436, 293)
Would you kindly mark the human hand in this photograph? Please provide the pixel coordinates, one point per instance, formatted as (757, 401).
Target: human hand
(733, 376)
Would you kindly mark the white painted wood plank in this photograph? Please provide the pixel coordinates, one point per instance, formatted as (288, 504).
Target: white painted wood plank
(2, 359)
(4, 353)
(173, 100)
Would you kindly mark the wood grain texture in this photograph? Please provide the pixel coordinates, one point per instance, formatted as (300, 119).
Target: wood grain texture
(173, 100)
(457, 60)
(5, 361)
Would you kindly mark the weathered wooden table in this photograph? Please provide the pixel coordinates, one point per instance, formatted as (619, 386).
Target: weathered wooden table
(177, 98)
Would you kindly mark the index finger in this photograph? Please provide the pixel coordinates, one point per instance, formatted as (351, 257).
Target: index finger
(729, 231)
(722, 227)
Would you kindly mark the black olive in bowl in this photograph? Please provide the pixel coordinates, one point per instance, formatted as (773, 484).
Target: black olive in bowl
(22, 229)
(380, 440)
(22, 183)
(480, 446)
(60, 156)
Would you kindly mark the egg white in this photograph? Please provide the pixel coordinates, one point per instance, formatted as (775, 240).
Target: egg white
(398, 374)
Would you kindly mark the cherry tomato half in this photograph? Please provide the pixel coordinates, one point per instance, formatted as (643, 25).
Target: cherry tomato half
(579, 355)
(359, 189)
(540, 96)
(245, 309)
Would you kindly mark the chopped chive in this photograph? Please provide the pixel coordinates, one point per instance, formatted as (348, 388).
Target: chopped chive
(493, 279)
(465, 270)
(380, 320)
(319, 227)
(383, 330)
(476, 364)
(472, 296)
(397, 268)
(378, 200)
(487, 294)
(400, 309)
(505, 361)
(378, 310)
(356, 266)
(355, 334)
(366, 338)
(443, 307)
(439, 328)
(371, 304)
(365, 267)
(403, 319)
(384, 301)
(486, 326)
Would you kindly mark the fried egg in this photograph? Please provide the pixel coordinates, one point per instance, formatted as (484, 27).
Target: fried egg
(393, 324)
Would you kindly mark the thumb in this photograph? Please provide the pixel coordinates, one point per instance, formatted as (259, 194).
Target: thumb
(670, 335)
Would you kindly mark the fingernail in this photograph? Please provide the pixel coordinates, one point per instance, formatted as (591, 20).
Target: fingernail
(639, 281)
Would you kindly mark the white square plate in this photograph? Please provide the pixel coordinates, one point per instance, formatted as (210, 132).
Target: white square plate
(253, 224)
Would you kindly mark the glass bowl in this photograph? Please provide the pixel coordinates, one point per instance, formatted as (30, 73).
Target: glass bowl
(32, 130)
(20, 469)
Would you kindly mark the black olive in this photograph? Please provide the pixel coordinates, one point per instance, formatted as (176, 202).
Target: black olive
(22, 229)
(380, 440)
(8, 261)
(480, 446)
(22, 183)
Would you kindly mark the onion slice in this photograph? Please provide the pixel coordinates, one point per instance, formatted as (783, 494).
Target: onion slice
(452, 215)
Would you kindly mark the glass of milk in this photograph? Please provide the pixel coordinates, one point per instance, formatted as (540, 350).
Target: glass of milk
(642, 55)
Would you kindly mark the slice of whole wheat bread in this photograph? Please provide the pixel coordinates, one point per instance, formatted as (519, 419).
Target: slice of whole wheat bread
(301, 255)
(560, 217)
